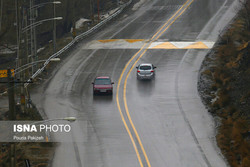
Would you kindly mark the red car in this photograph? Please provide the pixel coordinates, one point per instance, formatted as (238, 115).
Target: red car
(103, 85)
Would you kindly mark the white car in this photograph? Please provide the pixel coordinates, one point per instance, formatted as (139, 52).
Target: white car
(145, 71)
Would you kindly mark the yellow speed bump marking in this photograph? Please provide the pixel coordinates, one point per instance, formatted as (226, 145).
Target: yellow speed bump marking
(125, 86)
(133, 40)
(181, 45)
(108, 40)
(165, 45)
(138, 43)
(197, 45)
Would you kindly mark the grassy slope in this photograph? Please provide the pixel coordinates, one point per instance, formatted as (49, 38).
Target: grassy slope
(226, 90)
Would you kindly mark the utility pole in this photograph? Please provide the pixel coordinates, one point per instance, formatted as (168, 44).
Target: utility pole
(11, 92)
(12, 155)
(26, 74)
(12, 114)
(35, 43)
(91, 10)
(74, 25)
(17, 33)
(34, 12)
(26, 40)
(1, 15)
(98, 8)
(23, 55)
(54, 28)
(31, 36)
(22, 94)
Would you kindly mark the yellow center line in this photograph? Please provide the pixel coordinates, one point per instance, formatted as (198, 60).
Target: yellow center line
(125, 86)
(127, 111)
(174, 19)
(170, 19)
(129, 132)
(119, 107)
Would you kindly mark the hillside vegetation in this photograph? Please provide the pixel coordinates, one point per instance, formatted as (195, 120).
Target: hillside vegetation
(225, 87)
(70, 10)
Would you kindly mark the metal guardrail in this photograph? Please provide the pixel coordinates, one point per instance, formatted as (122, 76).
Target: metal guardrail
(77, 39)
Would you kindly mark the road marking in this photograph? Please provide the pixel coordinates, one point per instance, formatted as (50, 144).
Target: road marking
(143, 50)
(114, 40)
(169, 20)
(120, 111)
(126, 126)
(108, 40)
(197, 45)
(138, 43)
(134, 40)
(182, 45)
(190, 2)
(162, 45)
(127, 111)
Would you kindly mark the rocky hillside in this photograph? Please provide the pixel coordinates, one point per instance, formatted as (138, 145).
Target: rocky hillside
(225, 89)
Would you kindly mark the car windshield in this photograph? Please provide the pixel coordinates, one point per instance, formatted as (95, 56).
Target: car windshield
(102, 81)
(145, 67)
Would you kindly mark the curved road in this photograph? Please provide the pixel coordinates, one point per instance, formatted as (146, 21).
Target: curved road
(146, 123)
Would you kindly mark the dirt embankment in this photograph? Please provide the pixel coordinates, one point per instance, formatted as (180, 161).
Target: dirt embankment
(224, 85)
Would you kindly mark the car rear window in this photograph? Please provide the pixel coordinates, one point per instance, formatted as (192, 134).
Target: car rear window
(102, 81)
(145, 67)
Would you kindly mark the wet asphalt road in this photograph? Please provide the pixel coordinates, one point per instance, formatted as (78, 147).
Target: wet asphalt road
(165, 123)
